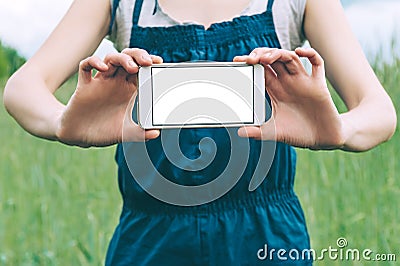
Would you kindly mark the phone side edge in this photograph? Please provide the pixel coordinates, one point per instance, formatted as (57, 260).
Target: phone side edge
(259, 95)
(144, 98)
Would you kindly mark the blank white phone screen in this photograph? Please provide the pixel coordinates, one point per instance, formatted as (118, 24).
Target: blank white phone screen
(202, 95)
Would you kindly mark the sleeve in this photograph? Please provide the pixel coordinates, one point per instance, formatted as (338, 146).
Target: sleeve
(120, 23)
(288, 18)
(296, 31)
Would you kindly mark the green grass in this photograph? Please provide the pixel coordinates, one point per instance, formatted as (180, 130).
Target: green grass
(352, 195)
(59, 205)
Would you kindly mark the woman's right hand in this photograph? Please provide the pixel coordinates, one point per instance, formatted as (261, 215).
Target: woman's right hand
(99, 112)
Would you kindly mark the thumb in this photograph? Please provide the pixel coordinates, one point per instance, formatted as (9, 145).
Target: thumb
(131, 131)
(250, 132)
(266, 131)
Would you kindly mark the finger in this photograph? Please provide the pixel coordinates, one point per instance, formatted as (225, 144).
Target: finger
(250, 132)
(255, 56)
(289, 60)
(151, 134)
(315, 59)
(269, 130)
(132, 79)
(132, 131)
(156, 59)
(272, 84)
(240, 58)
(266, 131)
(140, 56)
(117, 60)
(86, 66)
(279, 69)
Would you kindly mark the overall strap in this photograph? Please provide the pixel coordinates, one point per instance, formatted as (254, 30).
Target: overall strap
(269, 6)
(136, 12)
(113, 13)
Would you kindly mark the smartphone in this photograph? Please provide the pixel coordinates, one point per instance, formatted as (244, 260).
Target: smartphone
(201, 94)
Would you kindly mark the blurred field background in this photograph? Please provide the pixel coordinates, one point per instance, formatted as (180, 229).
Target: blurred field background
(59, 205)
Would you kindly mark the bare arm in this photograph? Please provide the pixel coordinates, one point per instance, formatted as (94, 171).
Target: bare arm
(28, 95)
(303, 113)
(99, 111)
(371, 117)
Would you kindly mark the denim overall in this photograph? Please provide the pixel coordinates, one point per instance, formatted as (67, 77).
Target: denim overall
(239, 228)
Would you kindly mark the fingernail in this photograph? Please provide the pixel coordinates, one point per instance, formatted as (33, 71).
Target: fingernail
(253, 54)
(102, 64)
(131, 63)
(242, 132)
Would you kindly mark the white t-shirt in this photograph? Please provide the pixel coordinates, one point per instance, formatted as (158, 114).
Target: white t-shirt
(288, 18)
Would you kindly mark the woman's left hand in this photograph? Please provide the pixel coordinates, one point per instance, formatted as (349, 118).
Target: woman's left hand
(303, 113)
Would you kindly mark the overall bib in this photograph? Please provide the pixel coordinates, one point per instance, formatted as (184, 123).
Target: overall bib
(239, 228)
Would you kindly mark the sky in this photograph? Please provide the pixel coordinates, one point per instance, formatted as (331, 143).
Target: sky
(25, 24)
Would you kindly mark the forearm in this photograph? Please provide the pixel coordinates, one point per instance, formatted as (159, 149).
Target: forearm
(369, 124)
(32, 105)
(28, 95)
